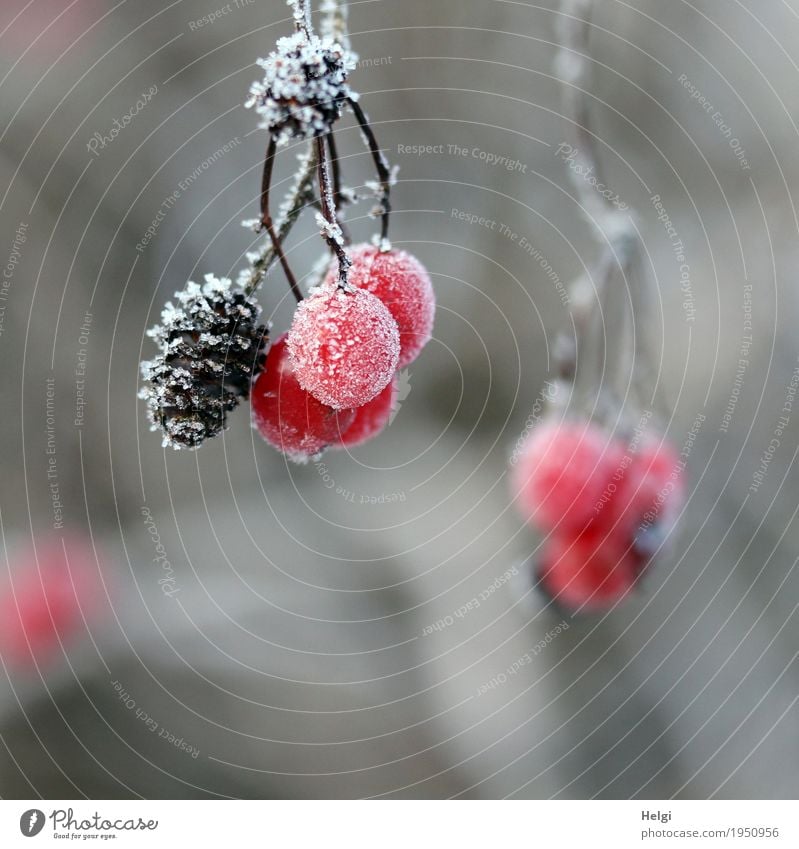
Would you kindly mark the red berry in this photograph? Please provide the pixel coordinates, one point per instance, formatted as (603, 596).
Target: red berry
(47, 599)
(371, 418)
(591, 570)
(650, 496)
(563, 473)
(652, 489)
(403, 285)
(343, 345)
(288, 417)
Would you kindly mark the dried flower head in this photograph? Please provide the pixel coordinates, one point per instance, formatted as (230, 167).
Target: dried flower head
(211, 347)
(304, 86)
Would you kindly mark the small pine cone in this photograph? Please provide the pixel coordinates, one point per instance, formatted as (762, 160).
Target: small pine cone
(304, 87)
(211, 348)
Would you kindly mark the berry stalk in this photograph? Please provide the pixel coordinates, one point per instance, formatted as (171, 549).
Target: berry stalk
(302, 15)
(296, 200)
(331, 232)
(338, 197)
(333, 23)
(381, 166)
(266, 219)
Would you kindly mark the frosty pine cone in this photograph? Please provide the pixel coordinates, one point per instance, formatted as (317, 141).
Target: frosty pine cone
(211, 347)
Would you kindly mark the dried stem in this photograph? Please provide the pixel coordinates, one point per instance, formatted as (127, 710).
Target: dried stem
(266, 219)
(338, 201)
(381, 166)
(331, 231)
(300, 196)
(302, 16)
(572, 66)
(621, 258)
(333, 23)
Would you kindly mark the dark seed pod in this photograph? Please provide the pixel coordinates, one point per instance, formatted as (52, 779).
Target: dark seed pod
(211, 348)
(304, 87)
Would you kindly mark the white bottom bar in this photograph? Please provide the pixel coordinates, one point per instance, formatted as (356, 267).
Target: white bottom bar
(402, 825)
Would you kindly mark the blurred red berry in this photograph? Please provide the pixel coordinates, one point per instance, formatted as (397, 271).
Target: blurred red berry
(589, 571)
(607, 506)
(563, 472)
(370, 419)
(343, 345)
(45, 603)
(289, 418)
(403, 285)
(48, 25)
(652, 489)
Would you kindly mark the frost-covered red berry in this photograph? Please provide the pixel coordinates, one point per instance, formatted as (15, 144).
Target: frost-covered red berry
(563, 472)
(343, 345)
(289, 418)
(403, 285)
(371, 418)
(591, 570)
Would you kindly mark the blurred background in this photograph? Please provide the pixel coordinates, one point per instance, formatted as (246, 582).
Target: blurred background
(225, 624)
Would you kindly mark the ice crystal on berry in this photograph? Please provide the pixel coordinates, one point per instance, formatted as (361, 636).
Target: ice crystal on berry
(304, 86)
(210, 347)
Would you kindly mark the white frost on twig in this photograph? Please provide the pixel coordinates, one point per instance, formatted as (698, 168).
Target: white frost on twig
(330, 230)
(333, 23)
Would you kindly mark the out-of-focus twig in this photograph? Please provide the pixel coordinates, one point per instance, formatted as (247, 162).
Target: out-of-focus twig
(621, 263)
(333, 23)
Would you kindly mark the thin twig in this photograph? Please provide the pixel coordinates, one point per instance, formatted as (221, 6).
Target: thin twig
(300, 196)
(338, 201)
(333, 22)
(572, 66)
(381, 166)
(302, 16)
(331, 231)
(266, 218)
(620, 259)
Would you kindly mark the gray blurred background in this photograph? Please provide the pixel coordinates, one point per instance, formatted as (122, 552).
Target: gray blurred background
(295, 654)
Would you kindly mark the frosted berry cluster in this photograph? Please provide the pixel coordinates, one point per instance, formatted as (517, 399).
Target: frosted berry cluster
(304, 87)
(605, 505)
(210, 346)
(331, 381)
